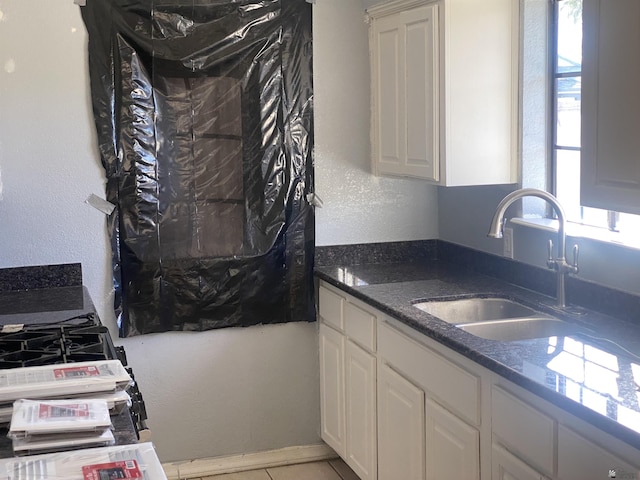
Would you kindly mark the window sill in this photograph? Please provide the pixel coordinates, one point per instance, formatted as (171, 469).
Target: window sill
(577, 230)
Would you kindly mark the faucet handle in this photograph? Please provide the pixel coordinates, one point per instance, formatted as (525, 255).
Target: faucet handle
(574, 266)
(551, 263)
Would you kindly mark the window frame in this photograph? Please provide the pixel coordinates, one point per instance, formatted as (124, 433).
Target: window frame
(609, 219)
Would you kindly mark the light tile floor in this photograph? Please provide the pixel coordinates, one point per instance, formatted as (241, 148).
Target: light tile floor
(329, 470)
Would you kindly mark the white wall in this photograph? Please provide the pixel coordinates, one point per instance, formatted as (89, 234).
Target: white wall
(47, 152)
(214, 393)
(358, 206)
(465, 215)
(229, 391)
(208, 394)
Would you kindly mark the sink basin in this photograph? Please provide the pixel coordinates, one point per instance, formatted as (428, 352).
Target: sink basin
(497, 318)
(467, 310)
(521, 328)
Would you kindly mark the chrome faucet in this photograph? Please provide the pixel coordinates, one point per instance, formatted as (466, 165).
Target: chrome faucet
(559, 264)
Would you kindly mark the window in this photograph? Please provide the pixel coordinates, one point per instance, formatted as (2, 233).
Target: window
(566, 141)
(592, 377)
(200, 167)
(205, 129)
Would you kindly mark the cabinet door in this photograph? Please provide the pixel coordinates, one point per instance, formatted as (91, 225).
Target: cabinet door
(331, 308)
(405, 78)
(401, 444)
(361, 411)
(510, 416)
(453, 447)
(332, 400)
(578, 459)
(505, 466)
(481, 91)
(610, 177)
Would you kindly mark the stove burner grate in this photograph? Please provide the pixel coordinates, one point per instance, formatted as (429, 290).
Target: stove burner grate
(55, 344)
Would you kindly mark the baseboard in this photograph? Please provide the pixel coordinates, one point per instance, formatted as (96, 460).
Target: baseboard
(203, 467)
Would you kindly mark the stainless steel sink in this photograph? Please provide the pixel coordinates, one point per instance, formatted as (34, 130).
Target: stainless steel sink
(497, 318)
(521, 328)
(467, 310)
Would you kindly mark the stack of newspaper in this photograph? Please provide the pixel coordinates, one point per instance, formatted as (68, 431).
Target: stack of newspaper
(45, 422)
(54, 425)
(137, 461)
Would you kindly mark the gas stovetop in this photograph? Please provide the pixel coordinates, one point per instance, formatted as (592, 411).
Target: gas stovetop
(49, 344)
(78, 339)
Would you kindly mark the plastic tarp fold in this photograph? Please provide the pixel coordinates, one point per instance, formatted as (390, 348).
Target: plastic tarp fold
(204, 116)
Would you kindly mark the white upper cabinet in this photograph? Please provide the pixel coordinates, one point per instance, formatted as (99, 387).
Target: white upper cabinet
(445, 90)
(610, 176)
(406, 85)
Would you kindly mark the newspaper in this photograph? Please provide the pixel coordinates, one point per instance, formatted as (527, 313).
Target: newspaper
(44, 417)
(65, 379)
(58, 442)
(137, 461)
(116, 401)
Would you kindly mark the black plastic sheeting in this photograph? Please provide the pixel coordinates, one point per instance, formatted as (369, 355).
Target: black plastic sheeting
(204, 117)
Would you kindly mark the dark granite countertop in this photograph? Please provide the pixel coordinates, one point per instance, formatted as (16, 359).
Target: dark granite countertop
(596, 379)
(45, 305)
(43, 294)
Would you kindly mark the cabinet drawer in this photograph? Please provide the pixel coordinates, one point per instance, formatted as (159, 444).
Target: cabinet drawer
(453, 386)
(578, 458)
(331, 306)
(505, 466)
(360, 326)
(523, 430)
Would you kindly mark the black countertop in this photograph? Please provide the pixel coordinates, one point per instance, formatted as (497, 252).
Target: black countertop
(43, 294)
(45, 305)
(595, 379)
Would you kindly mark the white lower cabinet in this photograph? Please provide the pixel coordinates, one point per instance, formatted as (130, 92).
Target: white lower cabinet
(348, 382)
(398, 405)
(578, 458)
(451, 442)
(401, 426)
(453, 446)
(360, 369)
(523, 429)
(505, 466)
(332, 406)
